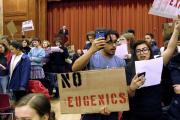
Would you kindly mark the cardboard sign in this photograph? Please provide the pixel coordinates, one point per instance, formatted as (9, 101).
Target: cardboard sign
(91, 91)
(11, 27)
(27, 25)
(166, 8)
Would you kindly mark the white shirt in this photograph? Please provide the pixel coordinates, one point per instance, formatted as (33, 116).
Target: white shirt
(14, 61)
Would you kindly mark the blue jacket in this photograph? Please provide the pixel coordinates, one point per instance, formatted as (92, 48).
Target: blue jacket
(21, 74)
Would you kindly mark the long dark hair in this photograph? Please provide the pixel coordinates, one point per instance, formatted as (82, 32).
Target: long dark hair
(38, 102)
(5, 47)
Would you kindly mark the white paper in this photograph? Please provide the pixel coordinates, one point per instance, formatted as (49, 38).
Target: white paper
(27, 25)
(84, 51)
(55, 49)
(153, 69)
(165, 8)
(121, 51)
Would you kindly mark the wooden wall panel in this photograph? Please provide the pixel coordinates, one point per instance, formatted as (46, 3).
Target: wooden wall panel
(1, 17)
(22, 10)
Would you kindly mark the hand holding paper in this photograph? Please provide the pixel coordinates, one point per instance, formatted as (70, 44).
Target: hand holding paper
(153, 69)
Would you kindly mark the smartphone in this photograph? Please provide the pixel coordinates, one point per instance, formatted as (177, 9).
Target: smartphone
(99, 34)
(143, 73)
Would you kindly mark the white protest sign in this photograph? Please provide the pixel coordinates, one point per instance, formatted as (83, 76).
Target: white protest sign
(121, 51)
(27, 25)
(153, 69)
(90, 91)
(165, 8)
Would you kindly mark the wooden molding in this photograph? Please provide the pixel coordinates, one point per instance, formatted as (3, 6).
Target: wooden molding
(53, 0)
(15, 14)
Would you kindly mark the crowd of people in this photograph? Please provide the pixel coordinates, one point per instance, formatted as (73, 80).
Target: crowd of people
(35, 59)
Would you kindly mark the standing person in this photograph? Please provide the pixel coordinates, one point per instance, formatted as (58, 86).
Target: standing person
(64, 30)
(3, 68)
(34, 107)
(47, 48)
(76, 55)
(25, 45)
(36, 56)
(6, 41)
(19, 70)
(128, 39)
(149, 37)
(90, 36)
(57, 60)
(146, 103)
(57, 57)
(101, 56)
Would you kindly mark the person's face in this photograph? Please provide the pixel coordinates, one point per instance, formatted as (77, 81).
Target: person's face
(64, 27)
(123, 40)
(35, 43)
(5, 42)
(148, 38)
(142, 52)
(2, 49)
(113, 37)
(14, 50)
(45, 45)
(24, 43)
(58, 44)
(110, 46)
(91, 38)
(27, 113)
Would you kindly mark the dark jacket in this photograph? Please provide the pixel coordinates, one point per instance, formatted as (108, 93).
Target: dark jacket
(21, 74)
(3, 61)
(146, 104)
(26, 50)
(57, 61)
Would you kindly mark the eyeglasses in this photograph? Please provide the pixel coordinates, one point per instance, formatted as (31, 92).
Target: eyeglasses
(111, 42)
(144, 50)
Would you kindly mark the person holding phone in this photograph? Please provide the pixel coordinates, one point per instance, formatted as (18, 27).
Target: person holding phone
(101, 55)
(146, 103)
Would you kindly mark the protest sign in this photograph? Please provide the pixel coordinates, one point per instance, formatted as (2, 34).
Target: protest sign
(11, 28)
(166, 8)
(27, 25)
(121, 51)
(90, 91)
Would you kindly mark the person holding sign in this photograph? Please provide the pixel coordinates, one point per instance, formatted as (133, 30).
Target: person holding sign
(146, 103)
(101, 56)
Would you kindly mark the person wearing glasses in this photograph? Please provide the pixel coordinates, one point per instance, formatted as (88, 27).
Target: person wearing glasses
(101, 55)
(146, 103)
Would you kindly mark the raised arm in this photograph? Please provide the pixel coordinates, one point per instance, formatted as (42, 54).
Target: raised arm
(167, 54)
(82, 61)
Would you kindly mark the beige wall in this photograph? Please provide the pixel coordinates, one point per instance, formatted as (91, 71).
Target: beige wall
(1, 17)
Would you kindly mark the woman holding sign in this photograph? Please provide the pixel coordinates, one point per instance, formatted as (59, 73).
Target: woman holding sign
(146, 102)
